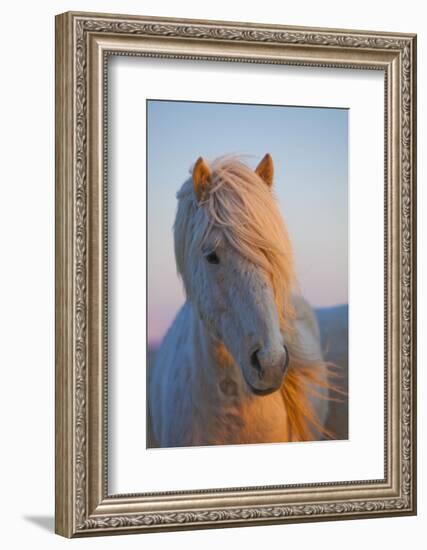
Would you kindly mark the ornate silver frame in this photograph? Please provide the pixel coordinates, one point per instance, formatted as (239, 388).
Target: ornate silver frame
(83, 42)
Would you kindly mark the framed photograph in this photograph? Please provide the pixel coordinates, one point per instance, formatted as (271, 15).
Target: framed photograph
(235, 274)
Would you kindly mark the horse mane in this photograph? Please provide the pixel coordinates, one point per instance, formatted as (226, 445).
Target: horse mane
(307, 379)
(244, 208)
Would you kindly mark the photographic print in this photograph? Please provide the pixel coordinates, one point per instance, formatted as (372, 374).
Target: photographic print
(247, 240)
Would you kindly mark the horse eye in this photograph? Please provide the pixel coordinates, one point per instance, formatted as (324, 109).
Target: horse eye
(212, 258)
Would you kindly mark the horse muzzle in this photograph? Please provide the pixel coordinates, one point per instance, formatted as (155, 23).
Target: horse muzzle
(267, 370)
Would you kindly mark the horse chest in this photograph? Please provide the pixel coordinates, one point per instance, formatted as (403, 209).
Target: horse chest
(264, 419)
(232, 417)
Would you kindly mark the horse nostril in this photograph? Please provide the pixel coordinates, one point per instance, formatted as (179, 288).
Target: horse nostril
(286, 365)
(256, 364)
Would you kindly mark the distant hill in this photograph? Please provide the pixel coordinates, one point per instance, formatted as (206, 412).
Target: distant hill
(333, 325)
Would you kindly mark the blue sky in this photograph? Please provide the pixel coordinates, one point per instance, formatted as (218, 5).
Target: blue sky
(309, 147)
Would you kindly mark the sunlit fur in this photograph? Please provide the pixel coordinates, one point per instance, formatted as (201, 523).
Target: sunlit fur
(198, 394)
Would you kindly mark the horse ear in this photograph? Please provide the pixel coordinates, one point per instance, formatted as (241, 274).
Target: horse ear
(201, 175)
(265, 170)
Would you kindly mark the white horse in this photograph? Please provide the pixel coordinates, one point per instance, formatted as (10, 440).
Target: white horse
(242, 361)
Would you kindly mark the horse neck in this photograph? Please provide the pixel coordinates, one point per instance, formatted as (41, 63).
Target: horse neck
(203, 344)
(208, 356)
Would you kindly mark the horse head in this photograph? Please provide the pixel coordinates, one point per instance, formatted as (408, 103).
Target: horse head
(234, 256)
